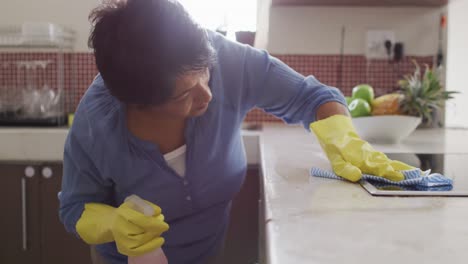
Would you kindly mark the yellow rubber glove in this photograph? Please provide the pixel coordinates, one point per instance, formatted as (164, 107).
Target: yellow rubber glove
(351, 156)
(134, 233)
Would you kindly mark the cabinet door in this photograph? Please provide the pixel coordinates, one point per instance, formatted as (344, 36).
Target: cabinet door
(58, 246)
(242, 237)
(19, 206)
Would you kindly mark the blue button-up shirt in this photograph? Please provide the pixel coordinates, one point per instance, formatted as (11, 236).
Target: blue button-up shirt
(105, 163)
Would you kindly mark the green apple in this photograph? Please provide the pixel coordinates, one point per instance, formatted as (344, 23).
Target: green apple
(359, 107)
(364, 91)
(348, 99)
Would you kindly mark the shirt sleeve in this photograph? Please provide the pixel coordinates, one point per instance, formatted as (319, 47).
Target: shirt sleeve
(271, 85)
(81, 183)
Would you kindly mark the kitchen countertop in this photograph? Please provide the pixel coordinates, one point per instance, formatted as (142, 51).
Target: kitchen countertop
(32, 144)
(46, 144)
(316, 220)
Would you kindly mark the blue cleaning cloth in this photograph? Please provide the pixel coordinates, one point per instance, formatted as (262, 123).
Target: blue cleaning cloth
(414, 180)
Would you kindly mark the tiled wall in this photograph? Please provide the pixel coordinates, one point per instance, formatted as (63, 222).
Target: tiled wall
(79, 71)
(347, 72)
(332, 70)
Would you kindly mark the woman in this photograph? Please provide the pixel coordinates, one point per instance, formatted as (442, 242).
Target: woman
(162, 120)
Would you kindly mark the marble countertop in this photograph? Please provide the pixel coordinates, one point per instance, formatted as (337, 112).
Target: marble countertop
(316, 220)
(32, 144)
(46, 144)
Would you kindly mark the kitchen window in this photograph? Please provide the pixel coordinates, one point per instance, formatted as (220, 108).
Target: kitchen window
(228, 16)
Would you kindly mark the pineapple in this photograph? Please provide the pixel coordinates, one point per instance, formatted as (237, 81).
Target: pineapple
(422, 95)
(388, 104)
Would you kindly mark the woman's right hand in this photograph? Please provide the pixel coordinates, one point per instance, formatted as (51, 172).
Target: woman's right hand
(134, 233)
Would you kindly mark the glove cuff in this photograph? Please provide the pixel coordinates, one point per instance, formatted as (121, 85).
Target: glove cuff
(94, 225)
(335, 126)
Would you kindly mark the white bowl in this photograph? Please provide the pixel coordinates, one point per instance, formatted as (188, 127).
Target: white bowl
(385, 129)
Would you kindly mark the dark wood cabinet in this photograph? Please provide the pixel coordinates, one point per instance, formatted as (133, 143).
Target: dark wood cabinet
(58, 246)
(19, 207)
(242, 240)
(32, 232)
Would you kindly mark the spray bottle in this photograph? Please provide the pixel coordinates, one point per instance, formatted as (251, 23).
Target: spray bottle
(157, 256)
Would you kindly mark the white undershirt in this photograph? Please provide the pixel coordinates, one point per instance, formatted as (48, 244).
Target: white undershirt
(176, 160)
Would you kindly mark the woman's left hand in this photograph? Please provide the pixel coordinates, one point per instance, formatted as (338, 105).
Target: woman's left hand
(351, 156)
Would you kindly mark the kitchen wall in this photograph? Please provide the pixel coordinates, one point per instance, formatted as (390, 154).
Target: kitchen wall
(317, 30)
(263, 23)
(306, 38)
(68, 13)
(457, 64)
(313, 35)
(291, 30)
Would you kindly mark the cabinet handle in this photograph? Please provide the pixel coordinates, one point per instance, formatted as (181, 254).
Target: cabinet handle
(47, 172)
(29, 171)
(23, 215)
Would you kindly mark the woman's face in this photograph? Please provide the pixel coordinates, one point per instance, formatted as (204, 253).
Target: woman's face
(191, 96)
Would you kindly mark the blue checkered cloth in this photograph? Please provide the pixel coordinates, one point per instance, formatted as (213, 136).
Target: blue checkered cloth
(416, 179)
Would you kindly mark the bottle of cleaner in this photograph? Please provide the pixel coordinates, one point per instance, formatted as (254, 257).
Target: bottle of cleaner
(157, 256)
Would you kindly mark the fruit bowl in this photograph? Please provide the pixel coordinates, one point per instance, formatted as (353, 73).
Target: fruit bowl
(385, 128)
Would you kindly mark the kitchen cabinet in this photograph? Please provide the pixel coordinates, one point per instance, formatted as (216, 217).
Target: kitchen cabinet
(434, 3)
(242, 239)
(19, 206)
(31, 227)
